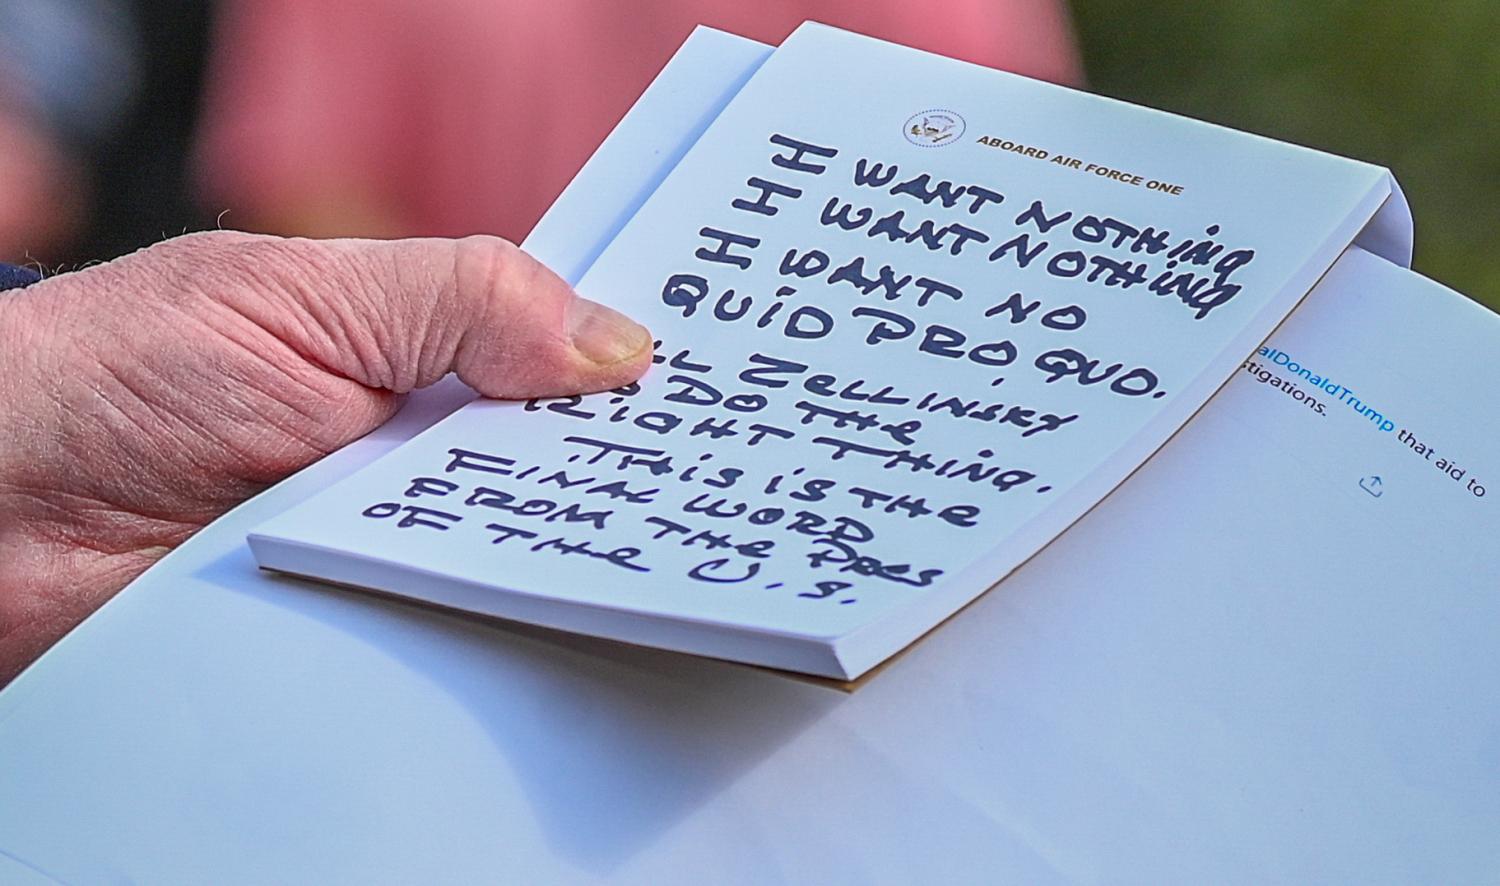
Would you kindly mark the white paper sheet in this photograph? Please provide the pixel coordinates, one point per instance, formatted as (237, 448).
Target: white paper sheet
(897, 360)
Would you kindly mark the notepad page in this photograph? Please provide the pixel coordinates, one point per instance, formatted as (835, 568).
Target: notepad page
(908, 334)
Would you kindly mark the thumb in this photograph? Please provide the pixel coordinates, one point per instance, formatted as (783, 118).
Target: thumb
(400, 314)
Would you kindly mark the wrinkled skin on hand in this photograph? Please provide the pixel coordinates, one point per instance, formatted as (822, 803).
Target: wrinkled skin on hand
(141, 398)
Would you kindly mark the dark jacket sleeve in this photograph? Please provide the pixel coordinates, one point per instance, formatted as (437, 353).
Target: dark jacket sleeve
(12, 277)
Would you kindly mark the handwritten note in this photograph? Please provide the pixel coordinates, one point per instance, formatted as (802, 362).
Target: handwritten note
(887, 355)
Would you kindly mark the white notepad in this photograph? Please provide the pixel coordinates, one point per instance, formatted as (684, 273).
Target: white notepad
(916, 317)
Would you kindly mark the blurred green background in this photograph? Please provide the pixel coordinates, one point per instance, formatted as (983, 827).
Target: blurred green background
(1411, 86)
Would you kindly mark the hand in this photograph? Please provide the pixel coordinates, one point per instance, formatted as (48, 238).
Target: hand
(141, 398)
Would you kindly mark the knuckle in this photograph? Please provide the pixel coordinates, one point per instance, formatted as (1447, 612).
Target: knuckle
(203, 239)
(228, 266)
(488, 268)
(235, 247)
(198, 247)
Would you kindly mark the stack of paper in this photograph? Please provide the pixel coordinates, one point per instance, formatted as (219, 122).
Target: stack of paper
(915, 319)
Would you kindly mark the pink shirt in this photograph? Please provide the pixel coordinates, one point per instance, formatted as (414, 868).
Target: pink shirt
(449, 117)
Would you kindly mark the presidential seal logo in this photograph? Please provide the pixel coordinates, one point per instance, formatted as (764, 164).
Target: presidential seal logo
(934, 128)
